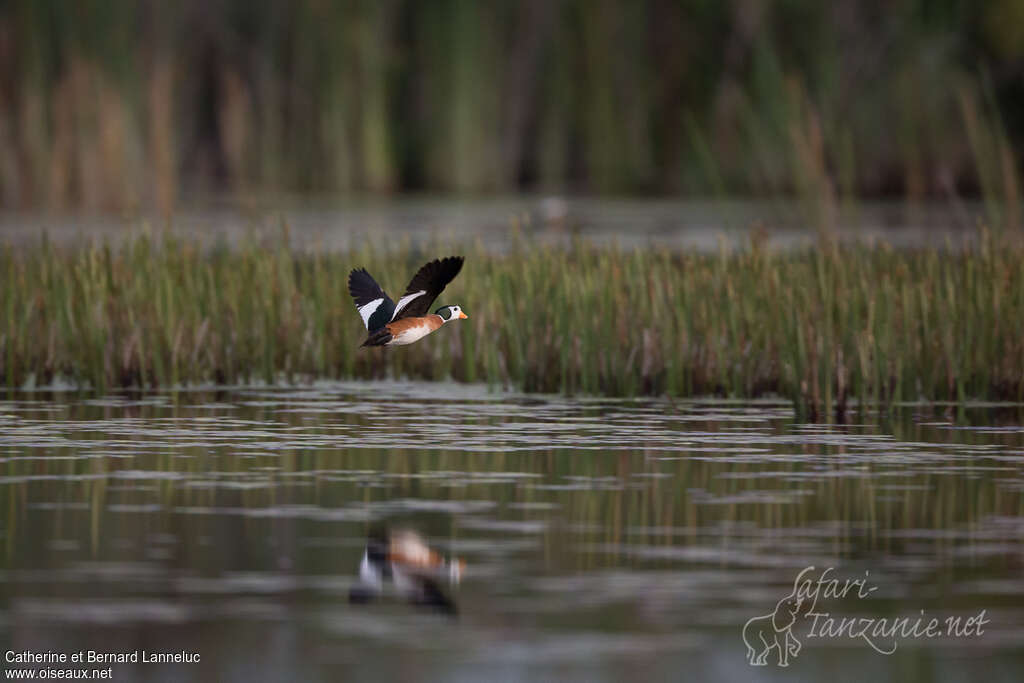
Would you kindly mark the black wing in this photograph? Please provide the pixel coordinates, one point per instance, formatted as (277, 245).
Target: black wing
(432, 595)
(374, 306)
(426, 285)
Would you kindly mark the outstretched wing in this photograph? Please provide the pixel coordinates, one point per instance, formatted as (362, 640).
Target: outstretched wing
(425, 286)
(374, 306)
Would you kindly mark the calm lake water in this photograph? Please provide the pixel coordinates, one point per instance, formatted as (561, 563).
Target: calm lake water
(603, 539)
(673, 223)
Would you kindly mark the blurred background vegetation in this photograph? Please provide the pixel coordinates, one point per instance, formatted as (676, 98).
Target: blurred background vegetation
(116, 104)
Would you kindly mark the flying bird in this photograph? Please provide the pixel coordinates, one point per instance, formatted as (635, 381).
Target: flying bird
(392, 324)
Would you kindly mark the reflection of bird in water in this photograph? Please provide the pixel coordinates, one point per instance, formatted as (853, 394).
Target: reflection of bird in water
(404, 560)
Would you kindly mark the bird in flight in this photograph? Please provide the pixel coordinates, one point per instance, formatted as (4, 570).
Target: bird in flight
(392, 324)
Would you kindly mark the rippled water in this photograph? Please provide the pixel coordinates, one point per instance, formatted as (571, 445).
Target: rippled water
(604, 539)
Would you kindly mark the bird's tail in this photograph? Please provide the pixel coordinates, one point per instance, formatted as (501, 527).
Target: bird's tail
(377, 338)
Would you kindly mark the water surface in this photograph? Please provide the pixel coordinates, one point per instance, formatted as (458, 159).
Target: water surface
(604, 539)
(498, 221)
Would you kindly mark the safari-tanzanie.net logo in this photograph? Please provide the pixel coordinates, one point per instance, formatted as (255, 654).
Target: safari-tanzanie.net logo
(801, 616)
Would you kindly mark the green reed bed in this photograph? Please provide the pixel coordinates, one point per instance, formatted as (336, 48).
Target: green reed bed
(829, 326)
(117, 104)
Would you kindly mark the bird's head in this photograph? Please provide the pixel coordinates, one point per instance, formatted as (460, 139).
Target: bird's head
(450, 313)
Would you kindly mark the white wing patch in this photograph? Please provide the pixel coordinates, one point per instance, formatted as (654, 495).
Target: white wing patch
(404, 301)
(369, 574)
(369, 309)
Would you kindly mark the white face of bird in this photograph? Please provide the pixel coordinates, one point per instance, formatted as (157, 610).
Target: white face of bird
(450, 313)
(456, 567)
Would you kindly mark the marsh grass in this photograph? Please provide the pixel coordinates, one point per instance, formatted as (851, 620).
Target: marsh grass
(831, 327)
(117, 105)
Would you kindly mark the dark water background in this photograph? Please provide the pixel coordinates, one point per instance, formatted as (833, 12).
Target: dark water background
(604, 539)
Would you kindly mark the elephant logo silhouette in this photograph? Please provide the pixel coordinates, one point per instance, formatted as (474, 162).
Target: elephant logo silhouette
(773, 631)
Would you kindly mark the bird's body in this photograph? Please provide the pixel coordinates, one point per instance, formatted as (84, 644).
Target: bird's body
(409, 330)
(402, 561)
(407, 321)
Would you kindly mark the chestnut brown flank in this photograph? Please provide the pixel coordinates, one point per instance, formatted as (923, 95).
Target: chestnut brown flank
(397, 327)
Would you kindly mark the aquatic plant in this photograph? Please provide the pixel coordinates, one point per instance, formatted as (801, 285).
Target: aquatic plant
(830, 326)
(114, 104)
